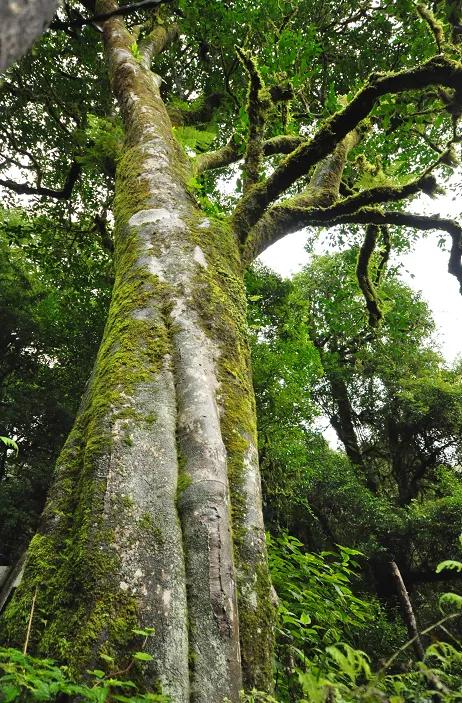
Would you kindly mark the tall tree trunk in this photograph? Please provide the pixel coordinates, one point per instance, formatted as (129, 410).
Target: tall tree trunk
(155, 515)
(345, 429)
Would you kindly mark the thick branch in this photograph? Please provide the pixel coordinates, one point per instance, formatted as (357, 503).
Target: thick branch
(343, 424)
(384, 254)
(284, 219)
(437, 71)
(233, 152)
(363, 274)
(63, 194)
(156, 42)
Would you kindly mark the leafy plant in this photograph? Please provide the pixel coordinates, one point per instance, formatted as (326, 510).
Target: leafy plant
(27, 679)
(10, 443)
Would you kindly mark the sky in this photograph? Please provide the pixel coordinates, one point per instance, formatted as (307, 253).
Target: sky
(425, 269)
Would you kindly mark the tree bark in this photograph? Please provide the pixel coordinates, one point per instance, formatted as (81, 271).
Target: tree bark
(344, 426)
(155, 516)
(21, 23)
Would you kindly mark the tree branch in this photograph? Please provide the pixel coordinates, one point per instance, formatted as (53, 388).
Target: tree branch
(436, 71)
(158, 39)
(233, 151)
(289, 220)
(407, 610)
(259, 102)
(363, 275)
(119, 12)
(63, 194)
(275, 223)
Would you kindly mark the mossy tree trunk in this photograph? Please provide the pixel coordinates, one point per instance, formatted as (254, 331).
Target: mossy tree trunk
(155, 516)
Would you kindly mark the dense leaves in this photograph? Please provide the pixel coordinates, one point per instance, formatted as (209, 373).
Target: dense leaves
(54, 288)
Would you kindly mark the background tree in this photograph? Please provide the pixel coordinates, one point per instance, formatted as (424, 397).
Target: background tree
(396, 409)
(118, 544)
(52, 314)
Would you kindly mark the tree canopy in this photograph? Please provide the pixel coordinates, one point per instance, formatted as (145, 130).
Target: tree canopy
(155, 150)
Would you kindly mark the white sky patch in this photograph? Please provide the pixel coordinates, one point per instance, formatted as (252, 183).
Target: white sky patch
(425, 268)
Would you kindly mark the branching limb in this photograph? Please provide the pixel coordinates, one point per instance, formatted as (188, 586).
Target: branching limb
(272, 225)
(158, 39)
(436, 71)
(259, 102)
(63, 194)
(233, 152)
(435, 27)
(363, 274)
(284, 219)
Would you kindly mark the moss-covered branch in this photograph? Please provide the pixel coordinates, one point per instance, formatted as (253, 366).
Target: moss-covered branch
(436, 71)
(384, 254)
(277, 221)
(233, 151)
(434, 25)
(259, 102)
(198, 112)
(363, 274)
(284, 219)
(158, 39)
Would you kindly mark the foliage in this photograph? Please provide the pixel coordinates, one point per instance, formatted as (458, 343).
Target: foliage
(322, 495)
(317, 609)
(320, 619)
(53, 297)
(394, 492)
(28, 679)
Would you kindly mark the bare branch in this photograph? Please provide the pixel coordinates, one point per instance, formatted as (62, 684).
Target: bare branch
(63, 194)
(407, 610)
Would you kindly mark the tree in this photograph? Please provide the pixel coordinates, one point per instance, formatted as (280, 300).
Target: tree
(51, 319)
(155, 514)
(396, 409)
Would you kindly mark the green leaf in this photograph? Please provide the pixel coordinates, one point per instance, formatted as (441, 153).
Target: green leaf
(143, 656)
(449, 564)
(107, 658)
(98, 673)
(10, 443)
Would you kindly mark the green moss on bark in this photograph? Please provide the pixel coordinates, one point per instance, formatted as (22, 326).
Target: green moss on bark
(219, 298)
(74, 563)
